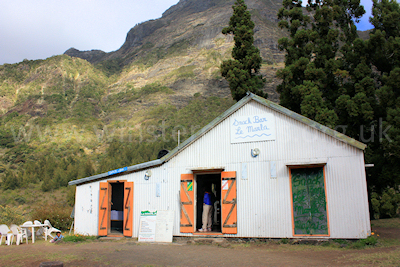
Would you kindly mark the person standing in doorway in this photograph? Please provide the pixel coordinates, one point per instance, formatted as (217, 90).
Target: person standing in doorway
(207, 210)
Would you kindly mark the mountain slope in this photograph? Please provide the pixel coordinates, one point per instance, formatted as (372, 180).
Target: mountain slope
(184, 48)
(198, 24)
(87, 112)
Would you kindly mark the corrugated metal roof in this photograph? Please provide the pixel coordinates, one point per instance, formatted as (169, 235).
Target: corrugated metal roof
(208, 127)
(133, 168)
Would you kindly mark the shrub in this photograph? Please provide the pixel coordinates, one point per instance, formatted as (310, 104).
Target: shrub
(369, 241)
(58, 215)
(387, 204)
(71, 195)
(20, 200)
(284, 241)
(12, 215)
(10, 181)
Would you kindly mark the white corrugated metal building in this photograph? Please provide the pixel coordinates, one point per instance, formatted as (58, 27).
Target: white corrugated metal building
(274, 174)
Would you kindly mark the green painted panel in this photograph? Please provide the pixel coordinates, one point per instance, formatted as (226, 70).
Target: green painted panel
(309, 202)
(190, 186)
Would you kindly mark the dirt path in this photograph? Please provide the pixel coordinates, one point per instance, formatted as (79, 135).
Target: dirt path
(130, 253)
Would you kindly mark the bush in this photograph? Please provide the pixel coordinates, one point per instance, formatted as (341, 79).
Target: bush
(20, 200)
(12, 215)
(10, 181)
(57, 214)
(71, 195)
(369, 241)
(386, 205)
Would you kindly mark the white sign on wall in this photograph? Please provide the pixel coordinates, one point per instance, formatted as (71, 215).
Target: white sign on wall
(253, 128)
(164, 225)
(147, 227)
(156, 226)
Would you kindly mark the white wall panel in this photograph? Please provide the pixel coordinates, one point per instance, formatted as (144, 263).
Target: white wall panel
(86, 209)
(263, 203)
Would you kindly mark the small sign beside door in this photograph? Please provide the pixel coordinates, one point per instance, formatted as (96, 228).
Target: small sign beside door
(190, 186)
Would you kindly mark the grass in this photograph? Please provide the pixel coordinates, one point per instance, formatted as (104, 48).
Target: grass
(389, 242)
(63, 257)
(184, 72)
(386, 223)
(386, 258)
(381, 254)
(78, 238)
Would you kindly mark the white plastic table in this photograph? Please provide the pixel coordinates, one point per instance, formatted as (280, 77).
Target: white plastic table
(33, 230)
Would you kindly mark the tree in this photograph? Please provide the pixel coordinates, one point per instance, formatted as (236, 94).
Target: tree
(337, 79)
(242, 72)
(316, 70)
(384, 48)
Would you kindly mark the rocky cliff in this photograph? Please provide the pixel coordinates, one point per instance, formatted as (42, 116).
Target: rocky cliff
(187, 38)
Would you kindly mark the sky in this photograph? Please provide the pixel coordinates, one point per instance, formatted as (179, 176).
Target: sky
(38, 29)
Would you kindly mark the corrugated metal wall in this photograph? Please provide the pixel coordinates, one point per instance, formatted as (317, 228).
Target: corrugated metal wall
(264, 203)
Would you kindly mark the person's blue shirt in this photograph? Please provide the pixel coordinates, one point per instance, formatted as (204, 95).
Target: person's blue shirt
(58, 237)
(207, 198)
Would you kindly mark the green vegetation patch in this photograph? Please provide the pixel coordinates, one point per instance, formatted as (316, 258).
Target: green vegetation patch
(178, 48)
(11, 215)
(79, 238)
(155, 88)
(151, 57)
(111, 67)
(184, 72)
(386, 223)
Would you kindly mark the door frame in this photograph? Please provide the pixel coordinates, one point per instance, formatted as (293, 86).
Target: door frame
(195, 188)
(308, 166)
(109, 197)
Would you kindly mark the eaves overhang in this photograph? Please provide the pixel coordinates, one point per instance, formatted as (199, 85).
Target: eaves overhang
(110, 174)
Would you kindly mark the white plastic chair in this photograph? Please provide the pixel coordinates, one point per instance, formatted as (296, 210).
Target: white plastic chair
(6, 232)
(19, 234)
(28, 232)
(40, 230)
(49, 229)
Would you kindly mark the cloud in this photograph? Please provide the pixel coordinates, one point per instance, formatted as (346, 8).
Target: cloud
(43, 28)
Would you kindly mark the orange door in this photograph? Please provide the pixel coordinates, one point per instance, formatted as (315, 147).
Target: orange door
(128, 209)
(103, 209)
(228, 207)
(187, 203)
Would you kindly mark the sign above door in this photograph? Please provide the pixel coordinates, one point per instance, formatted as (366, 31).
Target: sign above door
(253, 128)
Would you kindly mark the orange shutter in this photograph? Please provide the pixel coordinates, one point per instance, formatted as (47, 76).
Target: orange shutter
(103, 209)
(187, 203)
(229, 209)
(128, 209)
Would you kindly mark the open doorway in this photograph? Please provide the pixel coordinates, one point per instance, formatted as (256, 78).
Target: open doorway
(117, 208)
(213, 182)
